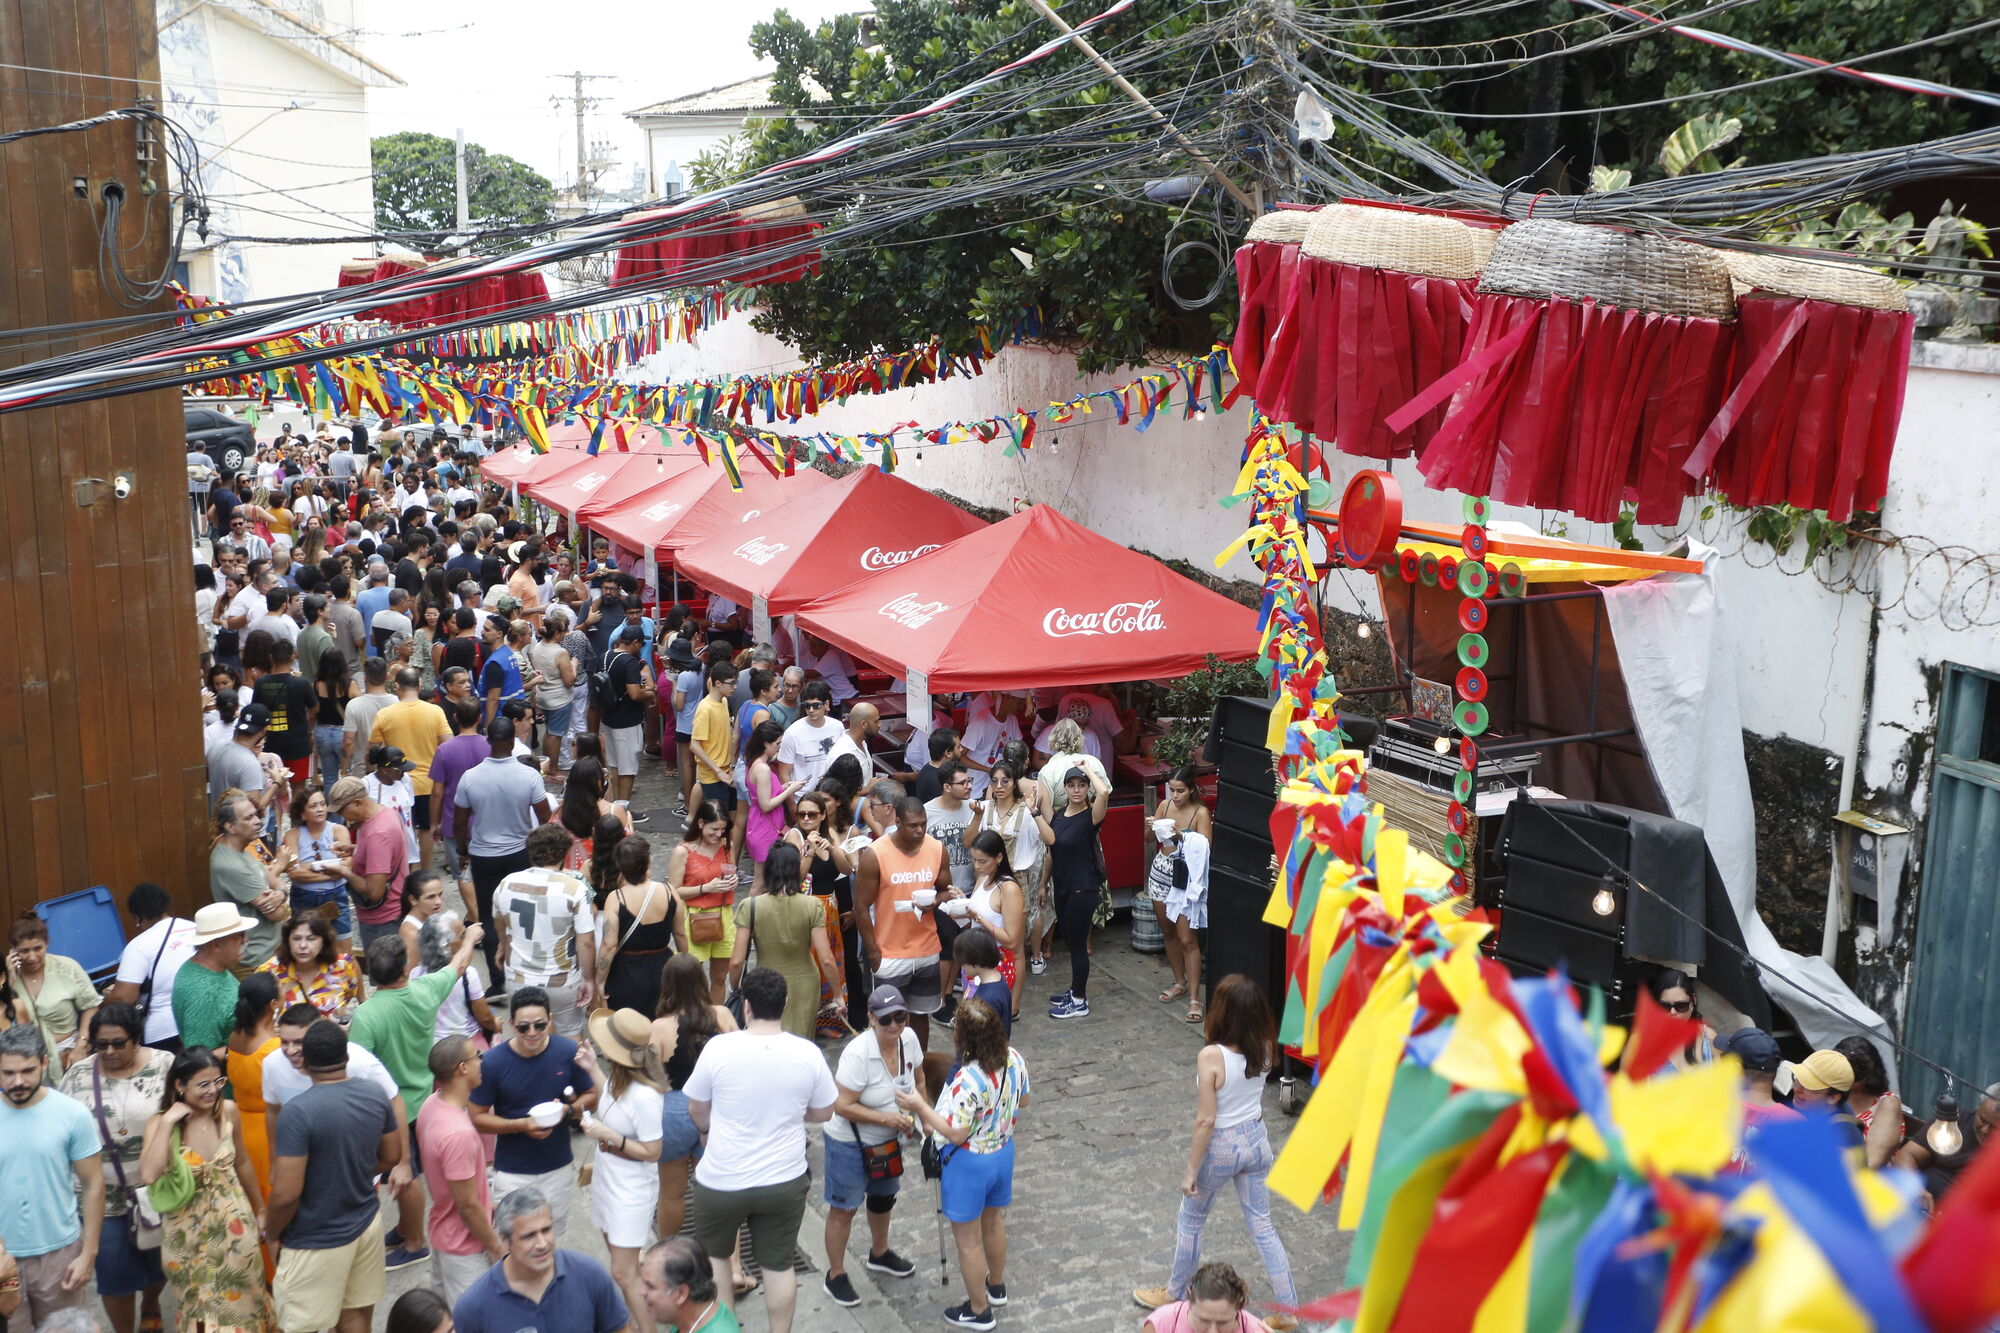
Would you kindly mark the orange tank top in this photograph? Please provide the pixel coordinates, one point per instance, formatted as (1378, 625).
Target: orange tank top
(701, 869)
(905, 934)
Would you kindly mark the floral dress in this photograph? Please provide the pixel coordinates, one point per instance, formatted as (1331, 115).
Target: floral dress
(337, 988)
(211, 1253)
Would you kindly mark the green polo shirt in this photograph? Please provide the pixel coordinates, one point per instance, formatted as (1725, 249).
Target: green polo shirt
(395, 1026)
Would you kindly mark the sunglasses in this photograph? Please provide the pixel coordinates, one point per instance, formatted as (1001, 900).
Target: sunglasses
(892, 1020)
(110, 1043)
(815, 703)
(808, 814)
(542, 1026)
(1680, 1006)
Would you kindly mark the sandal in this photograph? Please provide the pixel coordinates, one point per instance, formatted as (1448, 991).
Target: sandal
(1173, 992)
(1194, 1012)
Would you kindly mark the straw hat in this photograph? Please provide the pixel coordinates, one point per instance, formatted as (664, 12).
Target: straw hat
(625, 1036)
(218, 920)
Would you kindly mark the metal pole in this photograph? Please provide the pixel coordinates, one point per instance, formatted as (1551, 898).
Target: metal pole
(1118, 80)
(464, 213)
(582, 176)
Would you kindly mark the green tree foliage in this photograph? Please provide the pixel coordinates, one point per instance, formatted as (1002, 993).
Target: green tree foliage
(414, 187)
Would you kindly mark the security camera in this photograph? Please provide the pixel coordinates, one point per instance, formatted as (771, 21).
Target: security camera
(122, 486)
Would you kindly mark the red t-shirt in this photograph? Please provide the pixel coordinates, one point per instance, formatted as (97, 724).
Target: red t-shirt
(381, 845)
(452, 1150)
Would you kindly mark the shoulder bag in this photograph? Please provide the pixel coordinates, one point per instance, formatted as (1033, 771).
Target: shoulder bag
(936, 1152)
(884, 1161)
(172, 1191)
(147, 1228)
(734, 1002)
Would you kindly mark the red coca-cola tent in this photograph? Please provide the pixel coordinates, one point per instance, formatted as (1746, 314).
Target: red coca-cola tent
(570, 489)
(824, 540)
(507, 466)
(1034, 600)
(699, 503)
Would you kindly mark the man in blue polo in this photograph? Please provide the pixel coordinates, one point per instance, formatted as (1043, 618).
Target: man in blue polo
(538, 1286)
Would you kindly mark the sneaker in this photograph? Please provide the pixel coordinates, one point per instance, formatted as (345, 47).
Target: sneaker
(964, 1316)
(681, 809)
(838, 1286)
(641, 817)
(393, 1239)
(1038, 965)
(1059, 999)
(404, 1257)
(996, 1293)
(1070, 1007)
(1152, 1298)
(1281, 1323)
(947, 1012)
(895, 1265)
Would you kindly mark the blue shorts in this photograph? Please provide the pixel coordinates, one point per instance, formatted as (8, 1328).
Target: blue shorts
(976, 1181)
(847, 1181)
(305, 897)
(722, 793)
(556, 720)
(678, 1135)
(123, 1269)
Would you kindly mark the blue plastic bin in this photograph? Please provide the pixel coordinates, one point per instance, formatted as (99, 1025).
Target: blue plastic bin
(85, 926)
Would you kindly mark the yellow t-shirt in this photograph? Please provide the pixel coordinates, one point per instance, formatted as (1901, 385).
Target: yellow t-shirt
(417, 729)
(712, 729)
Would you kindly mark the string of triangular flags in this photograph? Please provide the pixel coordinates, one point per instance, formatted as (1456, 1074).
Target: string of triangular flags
(1509, 1161)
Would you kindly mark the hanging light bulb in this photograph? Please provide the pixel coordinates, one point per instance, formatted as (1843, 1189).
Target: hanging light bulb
(1604, 902)
(1364, 630)
(1442, 745)
(1944, 1136)
(1200, 416)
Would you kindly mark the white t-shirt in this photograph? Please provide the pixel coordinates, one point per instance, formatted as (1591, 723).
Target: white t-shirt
(846, 745)
(136, 962)
(759, 1087)
(834, 668)
(276, 625)
(248, 603)
(863, 1071)
(282, 1082)
(985, 736)
(809, 749)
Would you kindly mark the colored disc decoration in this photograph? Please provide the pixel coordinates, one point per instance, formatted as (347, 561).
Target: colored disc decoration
(1472, 578)
(1469, 717)
(1371, 518)
(1472, 684)
(1456, 817)
(1472, 650)
(1477, 509)
(1512, 581)
(1458, 884)
(1427, 568)
(1473, 540)
(1448, 570)
(1472, 616)
(1406, 565)
(1454, 849)
(1468, 752)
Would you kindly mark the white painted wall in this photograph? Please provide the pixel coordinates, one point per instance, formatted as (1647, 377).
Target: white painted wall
(681, 140)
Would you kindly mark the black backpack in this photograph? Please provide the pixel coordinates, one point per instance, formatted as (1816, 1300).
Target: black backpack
(603, 693)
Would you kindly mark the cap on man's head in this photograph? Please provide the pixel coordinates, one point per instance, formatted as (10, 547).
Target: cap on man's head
(325, 1045)
(253, 718)
(630, 633)
(1756, 1048)
(1823, 1071)
(345, 793)
(886, 999)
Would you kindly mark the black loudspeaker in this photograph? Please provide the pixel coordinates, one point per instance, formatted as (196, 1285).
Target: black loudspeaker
(1558, 904)
(1239, 867)
(1238, 939)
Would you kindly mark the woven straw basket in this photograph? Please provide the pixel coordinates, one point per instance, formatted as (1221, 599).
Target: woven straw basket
(1548, 258)
(786, 209)
(1403, 242)
(1815, 280)
(1287, 226)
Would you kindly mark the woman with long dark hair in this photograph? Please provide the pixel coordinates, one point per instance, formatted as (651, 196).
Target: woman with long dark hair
(601, 871)
(683, 1022)
(334, 685)
(975, 1118)
(312, 968)
(252, 1036)
(210, 1249)
(999, 903)
(641, 924)
(702, 875)
(1231, 1145)
(765, 823)
(830, 878)
(1181, 803)
(789, 929)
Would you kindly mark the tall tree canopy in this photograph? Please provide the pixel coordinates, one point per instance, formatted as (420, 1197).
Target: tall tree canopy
(415, 189)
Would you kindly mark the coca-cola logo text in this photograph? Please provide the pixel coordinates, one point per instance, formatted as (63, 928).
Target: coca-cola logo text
(661, 512)
(589, 482)
(911, 613)
(1123, 618)
(760, 552)
(877, 558)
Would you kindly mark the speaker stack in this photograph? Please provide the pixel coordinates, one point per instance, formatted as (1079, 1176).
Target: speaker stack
(1560, 903)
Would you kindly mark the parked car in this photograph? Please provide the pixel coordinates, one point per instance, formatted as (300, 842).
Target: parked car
(229, 442)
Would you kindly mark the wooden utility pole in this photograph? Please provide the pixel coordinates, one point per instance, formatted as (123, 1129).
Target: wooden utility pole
(101, 772)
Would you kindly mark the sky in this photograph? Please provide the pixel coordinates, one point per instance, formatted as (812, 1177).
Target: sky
(494, 75)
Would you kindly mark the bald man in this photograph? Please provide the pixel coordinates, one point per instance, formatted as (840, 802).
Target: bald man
(864, 720)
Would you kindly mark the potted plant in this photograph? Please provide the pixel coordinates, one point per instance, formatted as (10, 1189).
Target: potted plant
(1187, 704)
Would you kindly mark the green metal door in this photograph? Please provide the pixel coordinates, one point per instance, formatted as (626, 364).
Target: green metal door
(1954, 1013)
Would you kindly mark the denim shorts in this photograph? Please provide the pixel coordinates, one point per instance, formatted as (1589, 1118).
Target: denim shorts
(556, 720)
(305, 897)
(847, 1181)
(976, 1181)
(678, 1135)
(123, 1269)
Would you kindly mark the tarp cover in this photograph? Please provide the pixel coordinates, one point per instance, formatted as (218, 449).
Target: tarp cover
(697, 504)
(866, 522)
(1034, 600)
(574, 487)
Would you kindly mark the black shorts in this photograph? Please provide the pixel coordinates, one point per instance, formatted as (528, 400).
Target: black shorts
(722, 793)
(420, 814)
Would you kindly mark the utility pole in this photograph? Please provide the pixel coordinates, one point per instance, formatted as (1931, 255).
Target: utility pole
(463, 213)
(581, 106)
